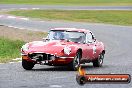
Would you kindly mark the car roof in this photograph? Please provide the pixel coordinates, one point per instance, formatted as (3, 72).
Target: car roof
(71, 29)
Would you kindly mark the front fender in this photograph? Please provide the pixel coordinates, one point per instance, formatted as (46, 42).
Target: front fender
(74, 50)
(103, 48)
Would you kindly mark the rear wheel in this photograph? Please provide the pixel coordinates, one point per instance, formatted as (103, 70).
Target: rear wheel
(74, 65)
(27, 65)
(98, 62)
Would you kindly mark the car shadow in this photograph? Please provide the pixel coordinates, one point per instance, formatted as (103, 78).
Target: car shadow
(65, 68)
(52, 68)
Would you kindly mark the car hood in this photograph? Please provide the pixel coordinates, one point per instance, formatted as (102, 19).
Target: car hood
(51, 47)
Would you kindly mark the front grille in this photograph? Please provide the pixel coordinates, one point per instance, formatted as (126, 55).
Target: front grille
(39, 56)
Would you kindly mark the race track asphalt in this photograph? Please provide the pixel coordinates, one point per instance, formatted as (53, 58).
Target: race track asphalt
(118, 41)
(61, 7)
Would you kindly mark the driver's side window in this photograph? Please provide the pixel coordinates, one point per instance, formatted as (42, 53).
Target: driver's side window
(89, 38)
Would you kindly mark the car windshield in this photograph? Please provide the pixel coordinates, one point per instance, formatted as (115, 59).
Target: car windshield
(67, 35)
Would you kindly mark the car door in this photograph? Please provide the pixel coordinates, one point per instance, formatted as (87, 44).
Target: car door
(90, 46)
(97, 49)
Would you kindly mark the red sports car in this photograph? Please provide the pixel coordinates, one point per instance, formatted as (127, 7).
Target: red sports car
(64, 46)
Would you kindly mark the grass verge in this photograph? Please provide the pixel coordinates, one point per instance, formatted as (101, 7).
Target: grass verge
(9, 49)
(70, 2)
(111, 17)
(12, 39)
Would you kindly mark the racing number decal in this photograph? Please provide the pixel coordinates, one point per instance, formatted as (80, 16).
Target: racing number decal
(94, 49)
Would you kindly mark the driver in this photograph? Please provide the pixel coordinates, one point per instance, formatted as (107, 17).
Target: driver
(58, 35)
(81, 39)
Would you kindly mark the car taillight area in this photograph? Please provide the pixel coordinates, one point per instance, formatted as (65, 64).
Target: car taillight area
(41, 56)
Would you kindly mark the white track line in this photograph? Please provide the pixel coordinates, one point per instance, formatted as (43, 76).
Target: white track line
(11, 17)
(4, 9)
(2, 16)
(16, 27)
(11, 62)
(24, 18)
(17, 59)
(24, 8)
(35, 8)
(55, 86)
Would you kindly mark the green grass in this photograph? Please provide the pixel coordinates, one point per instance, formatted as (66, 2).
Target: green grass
(9, 49)
(110, 17)
(69, 2)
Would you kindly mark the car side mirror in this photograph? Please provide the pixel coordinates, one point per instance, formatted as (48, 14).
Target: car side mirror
(94, 40)
(89, 41)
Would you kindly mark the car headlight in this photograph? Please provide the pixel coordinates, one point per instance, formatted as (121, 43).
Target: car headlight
(67, 50)
(25, 47)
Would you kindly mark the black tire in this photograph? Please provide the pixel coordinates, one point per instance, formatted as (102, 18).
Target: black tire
(74, 65)
(27, 65)
(99, 61)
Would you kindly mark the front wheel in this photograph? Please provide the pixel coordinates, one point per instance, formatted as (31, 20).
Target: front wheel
(74, 65)
(27, 65)
(98, 62)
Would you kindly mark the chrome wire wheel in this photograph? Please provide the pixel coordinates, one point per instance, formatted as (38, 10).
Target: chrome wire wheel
(77, 60)
(101, 57)
(74, 65)
(99, 61)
